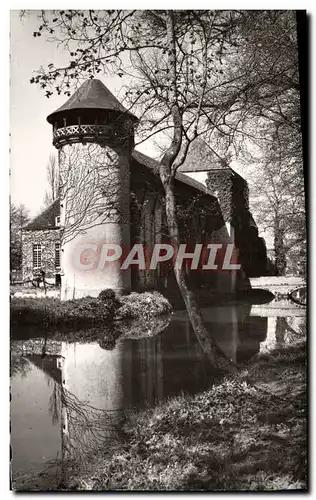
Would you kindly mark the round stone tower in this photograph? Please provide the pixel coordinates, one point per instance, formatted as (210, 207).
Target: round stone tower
(94, 135)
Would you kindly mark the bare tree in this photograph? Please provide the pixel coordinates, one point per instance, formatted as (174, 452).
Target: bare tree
(53, 180)
(185, 73)
(270, 135)
(278, 204)
(85, 186)
(19, 217)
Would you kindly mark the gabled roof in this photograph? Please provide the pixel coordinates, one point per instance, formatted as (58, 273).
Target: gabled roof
(92, 94)
(47, 364)
(46, 219)
(153, 165)
(201, 158)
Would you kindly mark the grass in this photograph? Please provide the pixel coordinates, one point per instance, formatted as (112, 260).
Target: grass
(248, 432)
(86, 312)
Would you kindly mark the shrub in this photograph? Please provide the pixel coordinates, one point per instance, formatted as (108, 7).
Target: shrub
(143, 305)
(109, 298)
(106, 295)
(87, 310)
(107, 343)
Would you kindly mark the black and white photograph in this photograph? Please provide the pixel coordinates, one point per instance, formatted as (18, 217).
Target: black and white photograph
(158, 250)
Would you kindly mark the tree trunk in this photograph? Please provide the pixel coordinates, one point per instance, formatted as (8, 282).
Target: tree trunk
(279, 251)
(167, 176)
(216, 356)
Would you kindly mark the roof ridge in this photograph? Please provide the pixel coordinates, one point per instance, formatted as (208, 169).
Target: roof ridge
(40, 218)
(180, 176)
(46, 218)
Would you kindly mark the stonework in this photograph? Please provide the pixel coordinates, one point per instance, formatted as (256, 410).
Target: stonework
(47, 239)
(231, 191)
(200, 221)
(233, 195)
(94, 210)
(110, 193)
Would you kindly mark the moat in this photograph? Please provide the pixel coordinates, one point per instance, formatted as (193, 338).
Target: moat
(70, 401)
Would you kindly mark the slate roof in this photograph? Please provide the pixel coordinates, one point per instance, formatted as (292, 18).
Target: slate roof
(46, 219)
(48, 365)
(154, 166)
(201, 158)
(92, 94)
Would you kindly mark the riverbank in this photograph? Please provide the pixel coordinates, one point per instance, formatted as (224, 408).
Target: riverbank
(86, 312)
(248, 432)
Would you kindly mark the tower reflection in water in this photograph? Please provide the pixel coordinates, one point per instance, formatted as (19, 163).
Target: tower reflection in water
(93, 387)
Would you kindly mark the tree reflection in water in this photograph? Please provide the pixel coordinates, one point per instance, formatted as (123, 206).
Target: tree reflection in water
(290, 329)
(93, 382)
(19, 365)
(86, 431)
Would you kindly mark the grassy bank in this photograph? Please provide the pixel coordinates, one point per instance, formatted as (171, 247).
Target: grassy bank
(87, 311)
(247, 432)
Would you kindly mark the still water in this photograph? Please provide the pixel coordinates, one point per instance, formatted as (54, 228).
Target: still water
(69, 403)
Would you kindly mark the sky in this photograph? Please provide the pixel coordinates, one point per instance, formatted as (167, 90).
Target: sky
(31, 134)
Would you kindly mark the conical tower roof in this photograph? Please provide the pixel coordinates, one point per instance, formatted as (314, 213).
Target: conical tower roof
(92, 94)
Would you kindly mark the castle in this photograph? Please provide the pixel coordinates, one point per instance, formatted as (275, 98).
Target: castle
(112, 194)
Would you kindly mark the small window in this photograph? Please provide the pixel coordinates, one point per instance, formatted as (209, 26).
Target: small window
(37, 256)
(57, 255)
(57, 220)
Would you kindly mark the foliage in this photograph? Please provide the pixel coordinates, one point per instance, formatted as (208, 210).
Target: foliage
(143, 305)
(109, 296)
(279, 207)
(272, 138)
(87, 311)
(48, 339)
(49, 311)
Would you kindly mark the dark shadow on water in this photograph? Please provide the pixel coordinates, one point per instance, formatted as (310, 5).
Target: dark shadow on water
(71, 402)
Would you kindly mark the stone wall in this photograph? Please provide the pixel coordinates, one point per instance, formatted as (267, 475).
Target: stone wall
(95, 205)
(47, 239)
(231, 191)
(233, 195)
(200, 221)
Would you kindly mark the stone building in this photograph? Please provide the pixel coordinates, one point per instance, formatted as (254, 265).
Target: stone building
(112, 194)
(232, 193)
(41, 245)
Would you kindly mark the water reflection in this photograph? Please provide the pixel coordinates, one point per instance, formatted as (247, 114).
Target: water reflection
(35, 438)
(69, 403)
(283, 330)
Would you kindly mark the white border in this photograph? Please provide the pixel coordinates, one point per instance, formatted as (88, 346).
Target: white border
(4, 20)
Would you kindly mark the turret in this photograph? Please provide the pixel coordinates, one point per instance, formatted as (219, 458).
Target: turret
(94, 135)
